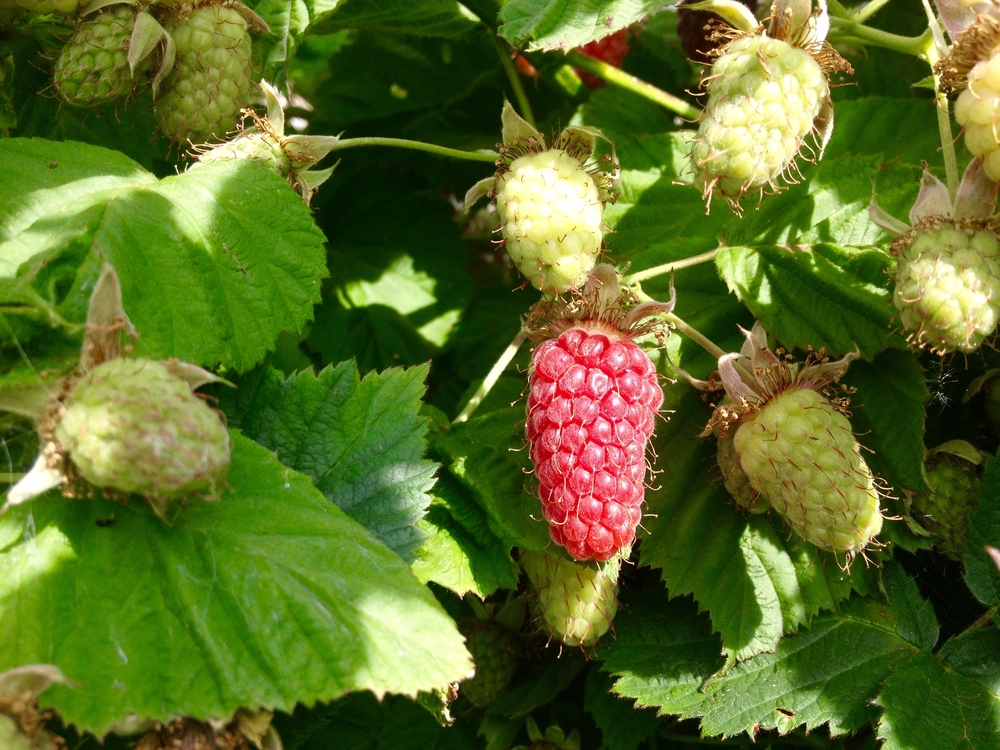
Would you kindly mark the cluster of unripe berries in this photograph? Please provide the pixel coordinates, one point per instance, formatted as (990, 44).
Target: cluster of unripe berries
(195, 57)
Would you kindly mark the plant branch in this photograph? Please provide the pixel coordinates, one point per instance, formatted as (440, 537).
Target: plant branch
(484, 155)
(515, 78)
(907, 45)
(665, 268)
(618, 77)
(838, 10)
(491, 378)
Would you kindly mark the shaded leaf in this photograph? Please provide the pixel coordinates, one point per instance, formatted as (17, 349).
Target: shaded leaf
(948, 699)
(622, 725)
(487, 455)
(461, 552)
(981, 574)
(360, 441)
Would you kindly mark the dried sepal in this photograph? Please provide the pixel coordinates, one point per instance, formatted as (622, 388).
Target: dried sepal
(973, 44)
(755, 375)
(602, 303)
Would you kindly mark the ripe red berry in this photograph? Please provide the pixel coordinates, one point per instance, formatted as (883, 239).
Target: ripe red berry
(592, 406)
(611, 49)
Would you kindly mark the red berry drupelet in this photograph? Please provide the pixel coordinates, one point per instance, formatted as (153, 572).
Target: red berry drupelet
(592, 406)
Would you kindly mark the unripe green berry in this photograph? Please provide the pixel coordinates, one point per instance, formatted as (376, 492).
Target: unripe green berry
(763, 98)
(495, 651)
(944, 510)
(576, 603)
(210, 83)
(550, 212)
(132, 425)
(93, 66)
(948, 286)
(259, 147)
(736, 481)
(800, 454)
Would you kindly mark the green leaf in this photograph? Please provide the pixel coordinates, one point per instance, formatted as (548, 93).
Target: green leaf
(823, 295)
(360, 441)
(270, 597)
(622, 725)
(800, 684)
(489, 457)
(461, 552)
(554, 24)
(887, 413)
(981, 574)
(756, 581)
(663, 652)
(862, 125)
(664, 656)
(948, 699)
(232, 253)
(805, 266)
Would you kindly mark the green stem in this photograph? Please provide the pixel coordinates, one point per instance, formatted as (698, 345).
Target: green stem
(618, 77)
(932, 54)
(666, 268)
(477, 607)
(870, 10)
(484, 155)
(491, 378)
(907, 45)
(838, 10)
(695, 335)
(515, 78)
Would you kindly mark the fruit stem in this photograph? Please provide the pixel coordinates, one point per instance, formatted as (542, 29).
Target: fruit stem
(932, 53)
(700, 339)
(665, 268)
(838, 10)
(515, 78)
(491, 378)
(618, 77)
(869, 10)
(483, 155)
(851, 30)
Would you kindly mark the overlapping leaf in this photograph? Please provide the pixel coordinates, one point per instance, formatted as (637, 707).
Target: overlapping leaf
(981, 572)
(487, 455)
(948, 699)
(461, 552)
(804, 264)
(270, 597)
(360, 441)
(656, 659)
(226, 283)
(552, 24)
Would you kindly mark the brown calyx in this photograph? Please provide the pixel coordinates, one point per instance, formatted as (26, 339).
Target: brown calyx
(602, 305)
(973, 45)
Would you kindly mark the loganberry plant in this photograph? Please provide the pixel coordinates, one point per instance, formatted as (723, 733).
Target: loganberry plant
(637, 442)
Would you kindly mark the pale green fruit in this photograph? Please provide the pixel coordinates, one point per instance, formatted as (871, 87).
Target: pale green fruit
(550, 217)
(800, 454)
(763, 97)
(132, 425)
(948, 287)
(576, 603)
